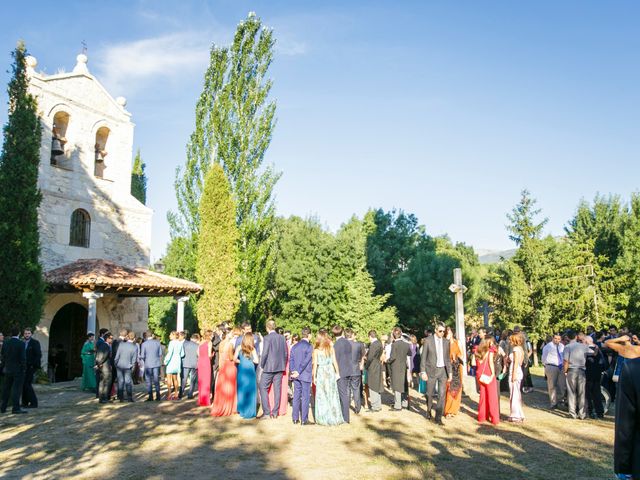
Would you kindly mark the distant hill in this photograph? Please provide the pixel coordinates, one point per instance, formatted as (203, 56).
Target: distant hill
(495, 256)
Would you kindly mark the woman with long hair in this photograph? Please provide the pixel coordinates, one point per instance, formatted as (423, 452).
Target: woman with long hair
(224, 399)
(516, 374)
(488, 405)
(454, 387)
(205, 351)
(173, 364)
(247, 358)
(325, 375)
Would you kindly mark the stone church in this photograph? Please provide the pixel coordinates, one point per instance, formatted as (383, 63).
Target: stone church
(94, 235)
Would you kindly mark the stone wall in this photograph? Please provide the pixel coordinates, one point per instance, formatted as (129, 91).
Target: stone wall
(120, 225)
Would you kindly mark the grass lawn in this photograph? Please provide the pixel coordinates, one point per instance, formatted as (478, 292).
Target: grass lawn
(70, 436)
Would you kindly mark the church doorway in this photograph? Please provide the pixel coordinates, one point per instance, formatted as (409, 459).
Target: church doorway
(67, 335)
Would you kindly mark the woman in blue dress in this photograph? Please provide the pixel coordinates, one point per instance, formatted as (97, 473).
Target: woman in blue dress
(325, 375)
(173, 365)
(247, 358)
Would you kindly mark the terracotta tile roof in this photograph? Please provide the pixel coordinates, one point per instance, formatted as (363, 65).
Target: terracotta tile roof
(104, 275)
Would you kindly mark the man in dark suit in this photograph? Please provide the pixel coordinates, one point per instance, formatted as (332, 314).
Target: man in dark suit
(34, 362)
(98, 372)
(373, 365)
(435, 369)
(342, 348)
(273, 363)
(103, 364)
(399, 361)
(626, 447)
(14, 359)
(215, 361)
(189, 366)
(355, 380)
(301, 367)
(151, 355)
(124, 360)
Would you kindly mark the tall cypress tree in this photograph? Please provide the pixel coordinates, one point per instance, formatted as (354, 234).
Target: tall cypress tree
(22, 286)
(217, 252)
(139, 179)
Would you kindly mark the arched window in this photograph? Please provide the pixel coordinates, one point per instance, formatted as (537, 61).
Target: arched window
(80, 231)
(58, 138)
(102, 135)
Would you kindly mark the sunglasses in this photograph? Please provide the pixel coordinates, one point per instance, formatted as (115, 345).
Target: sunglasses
(440, 331)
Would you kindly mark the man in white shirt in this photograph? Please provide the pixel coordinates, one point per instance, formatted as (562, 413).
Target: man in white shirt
(552, 359)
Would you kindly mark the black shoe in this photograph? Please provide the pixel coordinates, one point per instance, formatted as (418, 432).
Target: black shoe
(295, 422)
(306, 423)
(273, 417)
(429, 416)
(130, 400)
(440, 422)
(190, 397)
(18, 411)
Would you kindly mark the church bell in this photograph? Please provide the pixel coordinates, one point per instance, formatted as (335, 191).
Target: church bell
(56, 147)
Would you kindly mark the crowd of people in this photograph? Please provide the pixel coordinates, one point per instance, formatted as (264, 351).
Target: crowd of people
(235, 371)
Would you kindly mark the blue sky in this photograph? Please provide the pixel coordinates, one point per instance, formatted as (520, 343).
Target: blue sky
(444, 109)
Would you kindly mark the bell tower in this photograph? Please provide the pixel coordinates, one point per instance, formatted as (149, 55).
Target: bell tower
(87, 209)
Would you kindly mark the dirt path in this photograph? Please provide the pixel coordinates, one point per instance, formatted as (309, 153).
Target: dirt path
(70, 436)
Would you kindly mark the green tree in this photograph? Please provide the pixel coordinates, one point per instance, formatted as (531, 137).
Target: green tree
(304, 296)
(364, 310)
(139, 179)
(234, 126)
(391, 245)
(519, 285)
(22, 291)
(179, 261)
(217, 252)
(524, 226)
(628, 265)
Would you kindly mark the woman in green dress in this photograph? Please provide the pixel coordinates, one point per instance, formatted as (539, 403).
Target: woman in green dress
(325, 374)
(88, 355)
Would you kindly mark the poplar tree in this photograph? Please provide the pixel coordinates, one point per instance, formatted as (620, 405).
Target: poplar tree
(22, 286)
(234, 126)
(139, 179)
(217, 252)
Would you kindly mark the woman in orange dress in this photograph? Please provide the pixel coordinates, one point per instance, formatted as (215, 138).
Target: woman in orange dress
(454, 387)
(224, 400)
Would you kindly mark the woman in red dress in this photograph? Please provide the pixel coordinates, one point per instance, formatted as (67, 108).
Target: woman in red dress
(224, 400)
(488, 405)
(204, 371)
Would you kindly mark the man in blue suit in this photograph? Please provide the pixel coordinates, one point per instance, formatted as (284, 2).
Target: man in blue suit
(273, 362)
(151, 355)
(301, 366)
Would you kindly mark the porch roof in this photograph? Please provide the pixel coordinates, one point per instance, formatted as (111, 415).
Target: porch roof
(100, 275)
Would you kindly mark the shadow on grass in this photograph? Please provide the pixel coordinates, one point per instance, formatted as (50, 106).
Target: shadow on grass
(149, 441)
